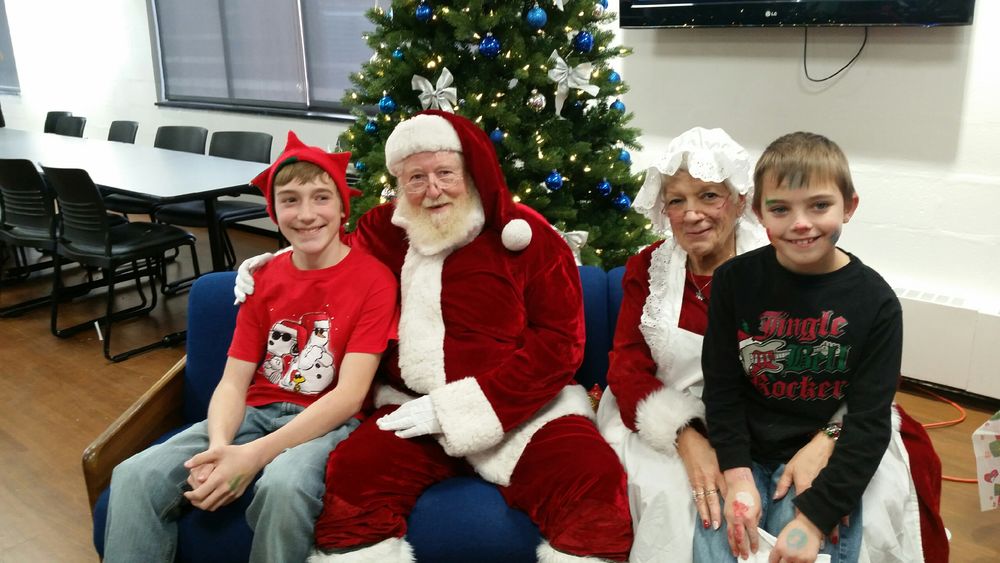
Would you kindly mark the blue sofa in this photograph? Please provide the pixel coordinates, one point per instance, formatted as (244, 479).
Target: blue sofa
(458, 520)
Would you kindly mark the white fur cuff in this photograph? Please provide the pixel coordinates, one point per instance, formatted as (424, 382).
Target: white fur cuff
(468, 422)
(392, 550)
(547, 554)
(661, 415)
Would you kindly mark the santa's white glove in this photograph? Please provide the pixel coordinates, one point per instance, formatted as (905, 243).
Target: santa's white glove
(415, 418)
(244, 275)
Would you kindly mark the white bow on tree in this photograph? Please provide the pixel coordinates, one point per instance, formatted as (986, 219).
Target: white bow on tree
(566, 78)
(441, 96)
(576, 240)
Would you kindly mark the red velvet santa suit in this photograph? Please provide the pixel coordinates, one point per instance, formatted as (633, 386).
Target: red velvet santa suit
(494, 336)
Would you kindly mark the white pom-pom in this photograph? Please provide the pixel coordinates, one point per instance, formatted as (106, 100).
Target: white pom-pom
(516, 235)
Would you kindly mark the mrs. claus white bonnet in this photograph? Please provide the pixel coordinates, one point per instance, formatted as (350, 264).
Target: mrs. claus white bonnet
(710, 155)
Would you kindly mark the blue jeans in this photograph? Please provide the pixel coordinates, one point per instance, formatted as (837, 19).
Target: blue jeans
(711, 546)
(147, 492)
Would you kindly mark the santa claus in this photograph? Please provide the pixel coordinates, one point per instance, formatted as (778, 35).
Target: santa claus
(490, 335)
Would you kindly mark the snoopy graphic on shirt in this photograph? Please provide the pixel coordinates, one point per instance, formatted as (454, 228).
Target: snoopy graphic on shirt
(298, 355)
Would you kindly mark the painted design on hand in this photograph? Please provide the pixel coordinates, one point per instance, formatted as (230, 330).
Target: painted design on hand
(234, 483)
(797, 539)
(742, 504)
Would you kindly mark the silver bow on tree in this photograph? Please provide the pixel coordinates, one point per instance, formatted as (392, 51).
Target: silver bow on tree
(441, 96)
(566, 78)
(576, 240)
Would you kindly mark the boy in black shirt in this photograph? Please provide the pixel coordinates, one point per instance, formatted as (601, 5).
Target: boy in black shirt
(796, 330)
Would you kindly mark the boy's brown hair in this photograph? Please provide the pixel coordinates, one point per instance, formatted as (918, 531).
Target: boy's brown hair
(796, 160)
(302, 171)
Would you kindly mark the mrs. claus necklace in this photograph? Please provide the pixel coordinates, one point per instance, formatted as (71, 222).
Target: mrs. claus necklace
(698, 290)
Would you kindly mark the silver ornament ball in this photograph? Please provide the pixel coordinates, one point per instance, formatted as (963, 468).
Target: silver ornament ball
(536, 101)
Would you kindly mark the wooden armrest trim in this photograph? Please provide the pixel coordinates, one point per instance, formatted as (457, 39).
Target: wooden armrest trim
(155, 412)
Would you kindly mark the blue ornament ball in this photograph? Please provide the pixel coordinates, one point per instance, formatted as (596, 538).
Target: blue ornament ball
(604, 187)
(360, 166)
(554, 181)
(387, 104)
(424, 12)
(496, 135)
(622, 201)
(397, 54)
(537, 17)
(625, 156)
(617, 105)
(603, 3)
(614, 77)
(371, 127)
(583, 42)
(489, 47)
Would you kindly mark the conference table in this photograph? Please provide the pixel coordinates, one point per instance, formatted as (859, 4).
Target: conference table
(159, 175)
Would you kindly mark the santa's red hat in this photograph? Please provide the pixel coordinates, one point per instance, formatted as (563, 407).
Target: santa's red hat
(333, 163)
(435, 130)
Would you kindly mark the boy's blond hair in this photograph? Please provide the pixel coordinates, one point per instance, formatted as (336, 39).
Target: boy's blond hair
(796, 160)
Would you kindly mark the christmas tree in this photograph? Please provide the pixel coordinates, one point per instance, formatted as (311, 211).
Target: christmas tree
(535, 76)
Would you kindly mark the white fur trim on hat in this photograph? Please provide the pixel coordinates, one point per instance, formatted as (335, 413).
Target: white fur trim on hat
(548, 554)
(662, 414)
(420, 133)
(392, 550)
(516, 235)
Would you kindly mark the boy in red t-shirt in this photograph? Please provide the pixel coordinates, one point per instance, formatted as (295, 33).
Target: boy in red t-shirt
(301, 362)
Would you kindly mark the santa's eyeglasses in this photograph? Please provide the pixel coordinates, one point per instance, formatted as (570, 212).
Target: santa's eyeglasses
(443, 178)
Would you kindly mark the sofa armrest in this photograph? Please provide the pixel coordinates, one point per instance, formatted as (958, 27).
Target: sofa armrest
(155, 412)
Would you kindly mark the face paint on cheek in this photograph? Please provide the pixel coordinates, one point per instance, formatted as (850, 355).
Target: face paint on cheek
(835, 235)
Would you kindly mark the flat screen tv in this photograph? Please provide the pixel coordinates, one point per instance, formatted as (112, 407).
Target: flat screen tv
(775, 13)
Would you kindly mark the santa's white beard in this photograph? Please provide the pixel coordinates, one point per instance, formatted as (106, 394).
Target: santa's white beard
(450, 228)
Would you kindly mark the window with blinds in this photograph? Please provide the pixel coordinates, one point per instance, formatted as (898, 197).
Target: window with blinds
(282, 54)
(8, 70)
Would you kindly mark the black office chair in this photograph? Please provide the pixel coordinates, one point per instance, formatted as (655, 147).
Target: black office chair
(87, 237)
(28, 222)
(51, 118)
(239, 145)
(123, 131)
(70, 126)
(182, 138)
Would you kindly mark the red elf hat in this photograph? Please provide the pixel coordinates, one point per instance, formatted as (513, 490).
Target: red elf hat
(333, 163)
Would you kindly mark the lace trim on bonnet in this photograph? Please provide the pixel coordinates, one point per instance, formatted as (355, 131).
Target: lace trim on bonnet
(707, 154)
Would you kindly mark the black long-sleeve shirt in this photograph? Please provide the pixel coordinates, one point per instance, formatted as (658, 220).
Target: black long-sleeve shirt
(783, 351)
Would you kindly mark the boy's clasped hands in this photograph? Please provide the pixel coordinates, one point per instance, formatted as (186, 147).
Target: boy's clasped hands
(220, 475)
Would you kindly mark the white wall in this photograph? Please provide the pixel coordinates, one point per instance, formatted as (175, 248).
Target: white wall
(916, 114)
(94, 59)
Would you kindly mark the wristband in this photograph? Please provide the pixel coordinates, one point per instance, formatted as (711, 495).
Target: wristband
(832, 430)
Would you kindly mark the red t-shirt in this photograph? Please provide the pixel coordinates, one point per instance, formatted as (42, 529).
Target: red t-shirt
(298, 325)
